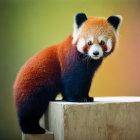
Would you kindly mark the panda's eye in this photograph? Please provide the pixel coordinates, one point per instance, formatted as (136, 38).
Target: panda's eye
(102, 43)
(89, 43)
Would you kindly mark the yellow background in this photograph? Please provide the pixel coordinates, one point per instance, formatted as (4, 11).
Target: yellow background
(27, 26)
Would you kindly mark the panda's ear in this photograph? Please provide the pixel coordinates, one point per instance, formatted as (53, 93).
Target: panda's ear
(115, 21)
(79, 19)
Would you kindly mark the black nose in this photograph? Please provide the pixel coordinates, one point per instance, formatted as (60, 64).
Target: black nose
(96, 53)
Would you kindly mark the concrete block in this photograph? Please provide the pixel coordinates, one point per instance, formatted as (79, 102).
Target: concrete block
(116, 118)
(46, 136)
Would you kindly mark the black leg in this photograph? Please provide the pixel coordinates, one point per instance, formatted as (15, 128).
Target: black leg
(30, 112)
(31, 126)
(76, 84)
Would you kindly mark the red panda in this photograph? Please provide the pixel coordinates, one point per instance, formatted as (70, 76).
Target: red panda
(65, 68)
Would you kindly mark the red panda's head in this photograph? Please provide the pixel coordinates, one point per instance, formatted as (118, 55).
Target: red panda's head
(96, 36)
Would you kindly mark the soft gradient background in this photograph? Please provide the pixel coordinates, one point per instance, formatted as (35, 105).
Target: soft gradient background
(27, 26)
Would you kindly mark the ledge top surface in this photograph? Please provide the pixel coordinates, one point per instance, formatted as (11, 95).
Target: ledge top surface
(103, 100)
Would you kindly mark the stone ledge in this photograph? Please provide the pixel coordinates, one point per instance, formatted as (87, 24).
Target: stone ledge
(108, 118)
(46, 136)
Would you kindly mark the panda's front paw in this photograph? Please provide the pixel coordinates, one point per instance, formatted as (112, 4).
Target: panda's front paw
(77, 100)
(86, 99)
(90, 99)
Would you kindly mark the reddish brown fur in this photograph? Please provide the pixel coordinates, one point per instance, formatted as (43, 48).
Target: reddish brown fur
(47, 63)
(86, 48)
(104, 47)
(35, 69)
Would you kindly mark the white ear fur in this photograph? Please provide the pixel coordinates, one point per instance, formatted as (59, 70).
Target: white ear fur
(79, 19)
(121, 19)
(75, 33)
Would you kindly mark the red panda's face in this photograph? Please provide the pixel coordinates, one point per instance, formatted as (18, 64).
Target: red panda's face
(95, 37)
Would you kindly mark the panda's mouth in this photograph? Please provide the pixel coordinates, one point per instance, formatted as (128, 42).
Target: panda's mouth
(88, 58)
(96, 57)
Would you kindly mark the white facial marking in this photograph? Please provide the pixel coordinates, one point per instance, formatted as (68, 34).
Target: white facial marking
(109, 45)
(101, 37)
(90, 38)
(81, 44)
(93, 49)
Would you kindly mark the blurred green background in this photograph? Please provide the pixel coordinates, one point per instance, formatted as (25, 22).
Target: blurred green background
(27, 26)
